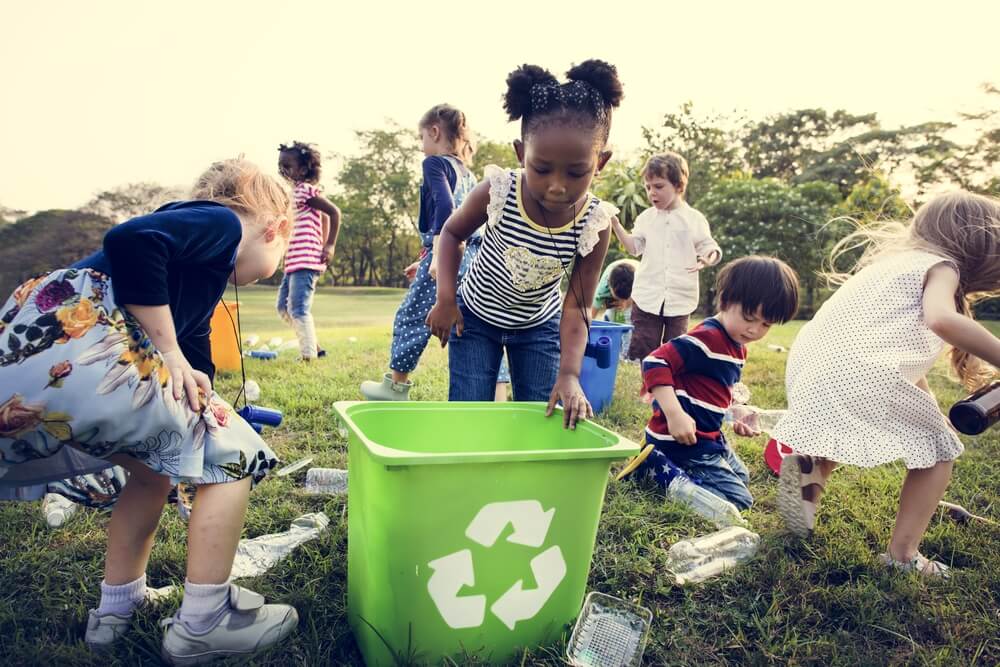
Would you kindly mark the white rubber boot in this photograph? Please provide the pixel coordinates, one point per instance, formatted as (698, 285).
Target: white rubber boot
(305, 331)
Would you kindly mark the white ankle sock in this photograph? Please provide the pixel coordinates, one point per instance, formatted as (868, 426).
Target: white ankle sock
(203, 604)
(121, 600)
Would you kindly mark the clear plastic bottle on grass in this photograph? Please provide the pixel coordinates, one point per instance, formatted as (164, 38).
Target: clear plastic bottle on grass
(57, 509)
(719, 511)
(706, 556)
(326, 480)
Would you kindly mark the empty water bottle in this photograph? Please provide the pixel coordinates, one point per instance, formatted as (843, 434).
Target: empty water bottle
(251, 391)
(326, 480)
(57, 509)
(754, 418)
(703, 557)
(719, 511)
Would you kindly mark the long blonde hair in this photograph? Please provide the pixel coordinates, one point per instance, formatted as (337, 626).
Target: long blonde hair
(959, 226)
(240, 185)
(453, 125)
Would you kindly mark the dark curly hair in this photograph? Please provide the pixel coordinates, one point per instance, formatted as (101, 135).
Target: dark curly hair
(307, 157)
(536, 97)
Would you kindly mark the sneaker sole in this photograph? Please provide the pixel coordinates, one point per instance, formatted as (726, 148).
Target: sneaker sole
(288, 625)
(789, 498)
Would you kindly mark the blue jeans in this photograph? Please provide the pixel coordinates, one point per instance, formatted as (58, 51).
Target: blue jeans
(725, 475)
(474, 359)
(295, 295)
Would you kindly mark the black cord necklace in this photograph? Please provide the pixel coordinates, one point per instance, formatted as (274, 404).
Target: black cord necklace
(576, 249)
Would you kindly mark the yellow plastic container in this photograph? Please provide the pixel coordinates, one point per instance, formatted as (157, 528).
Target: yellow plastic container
(225, 344)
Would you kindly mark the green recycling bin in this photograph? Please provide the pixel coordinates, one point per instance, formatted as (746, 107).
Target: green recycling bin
(471, 526)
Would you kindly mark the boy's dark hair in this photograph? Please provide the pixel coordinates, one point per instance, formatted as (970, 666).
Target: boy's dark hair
(621, 279)
(759, 282)
(308, 158)
(670, 166)
(535, 96)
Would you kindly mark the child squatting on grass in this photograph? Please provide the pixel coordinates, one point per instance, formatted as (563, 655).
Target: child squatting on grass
(537, 221)
(857, 372)
(691, 379)
(109, 362)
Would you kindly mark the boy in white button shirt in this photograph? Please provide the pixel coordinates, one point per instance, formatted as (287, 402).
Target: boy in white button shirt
(675, 244)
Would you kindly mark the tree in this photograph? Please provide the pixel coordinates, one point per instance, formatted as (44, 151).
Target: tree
(493, 152)
(711, 146)
(10, 215)
(768, 216)
(786, 145)
(46, 241)
(378, 194)
(131, 200)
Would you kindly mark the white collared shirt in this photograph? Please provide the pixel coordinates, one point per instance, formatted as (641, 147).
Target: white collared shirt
(670, 243)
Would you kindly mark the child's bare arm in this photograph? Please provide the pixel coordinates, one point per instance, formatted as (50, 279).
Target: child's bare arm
(682, 426)
(459, 227)
(942, 317)
(330, 223)
(628, 241)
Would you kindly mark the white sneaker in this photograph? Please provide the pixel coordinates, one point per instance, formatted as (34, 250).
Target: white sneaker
(247, 626)
(103, 630)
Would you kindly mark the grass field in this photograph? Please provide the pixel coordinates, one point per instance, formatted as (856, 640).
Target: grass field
(825, 601)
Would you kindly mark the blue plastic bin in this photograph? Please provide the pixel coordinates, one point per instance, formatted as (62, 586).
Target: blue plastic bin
(599, 383)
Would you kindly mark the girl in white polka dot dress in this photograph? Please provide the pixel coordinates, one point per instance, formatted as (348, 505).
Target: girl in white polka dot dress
(856, 375)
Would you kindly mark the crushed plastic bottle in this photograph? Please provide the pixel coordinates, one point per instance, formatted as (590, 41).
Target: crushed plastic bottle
(326, 480)
(251, 340)
(709, 555)
(251, 390)
(275, 342)
(258, 555)
(754, 418)
(703, 502)
(57, 509)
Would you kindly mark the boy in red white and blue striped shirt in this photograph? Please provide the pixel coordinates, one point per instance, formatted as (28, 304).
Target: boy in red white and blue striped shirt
(691, 378)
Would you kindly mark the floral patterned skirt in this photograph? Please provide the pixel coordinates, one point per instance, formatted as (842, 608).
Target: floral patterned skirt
(80, 381)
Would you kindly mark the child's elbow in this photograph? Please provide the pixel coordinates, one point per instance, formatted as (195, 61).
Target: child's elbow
(942, 324)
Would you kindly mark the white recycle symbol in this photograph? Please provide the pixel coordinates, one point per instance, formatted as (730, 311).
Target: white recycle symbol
(454, 571)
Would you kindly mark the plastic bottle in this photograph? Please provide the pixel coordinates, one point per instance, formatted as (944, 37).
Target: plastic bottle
(326, 480)
(719, 511)
(704, 557)
(754, 418)
(252, 391)
(976, 413)
(57, 509)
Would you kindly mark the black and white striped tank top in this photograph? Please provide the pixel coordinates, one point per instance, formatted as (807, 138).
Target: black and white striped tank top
(514, 281)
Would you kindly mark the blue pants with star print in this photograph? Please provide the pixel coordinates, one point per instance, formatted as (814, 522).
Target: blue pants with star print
(724, 474)
(410, 332)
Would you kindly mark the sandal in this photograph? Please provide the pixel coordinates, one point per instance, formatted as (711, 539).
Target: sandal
(920, 564)
(799, 488)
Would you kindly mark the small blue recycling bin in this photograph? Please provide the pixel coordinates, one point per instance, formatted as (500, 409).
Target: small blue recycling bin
(599, 383)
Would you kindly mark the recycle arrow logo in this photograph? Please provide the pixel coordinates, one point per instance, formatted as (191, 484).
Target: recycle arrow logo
(453, 572)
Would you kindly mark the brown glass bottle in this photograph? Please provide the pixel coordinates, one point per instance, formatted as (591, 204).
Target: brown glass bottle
(978, 412)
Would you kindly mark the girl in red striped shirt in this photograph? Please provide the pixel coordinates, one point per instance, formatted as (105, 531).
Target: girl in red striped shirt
(313, 241)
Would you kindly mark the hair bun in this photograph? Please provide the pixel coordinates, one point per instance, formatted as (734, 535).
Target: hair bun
(517, 100)
(602, 76)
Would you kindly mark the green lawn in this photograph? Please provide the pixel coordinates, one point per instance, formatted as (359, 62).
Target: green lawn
(825, 601)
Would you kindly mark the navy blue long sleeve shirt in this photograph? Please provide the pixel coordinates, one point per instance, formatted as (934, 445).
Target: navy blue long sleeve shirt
(181, 256)
(437, 199)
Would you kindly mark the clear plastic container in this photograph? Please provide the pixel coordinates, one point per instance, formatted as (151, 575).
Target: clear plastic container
(719, 511)
(326, 480)
(57, 509)
(754, 418)
(610, 632)
(706, 556)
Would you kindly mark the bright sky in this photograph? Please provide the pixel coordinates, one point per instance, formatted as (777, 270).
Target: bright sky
(97, 94)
